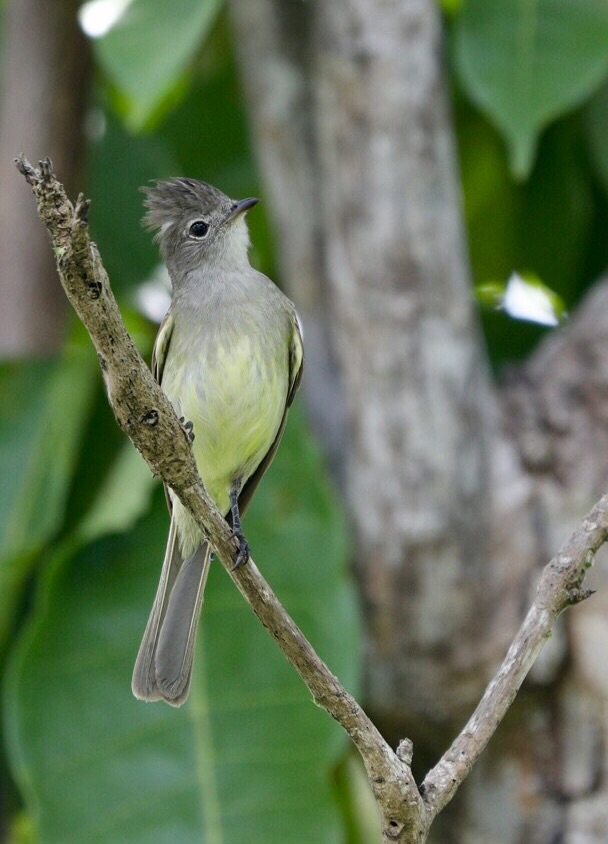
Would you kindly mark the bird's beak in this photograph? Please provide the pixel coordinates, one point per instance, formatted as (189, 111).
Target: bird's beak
(240, 207)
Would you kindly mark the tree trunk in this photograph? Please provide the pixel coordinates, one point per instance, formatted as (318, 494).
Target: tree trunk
(45, 77)
(456, 492)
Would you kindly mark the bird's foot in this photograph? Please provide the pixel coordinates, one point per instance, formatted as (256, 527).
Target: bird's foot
(187, 428)
(243, 553)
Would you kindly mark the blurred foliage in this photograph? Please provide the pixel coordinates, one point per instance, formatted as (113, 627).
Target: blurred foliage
(43, 410)
(547, 219)
(82, 525)
(525, 63)
(144, 63)
(248, 748)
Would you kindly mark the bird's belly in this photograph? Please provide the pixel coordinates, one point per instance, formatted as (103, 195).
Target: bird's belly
(235, 402)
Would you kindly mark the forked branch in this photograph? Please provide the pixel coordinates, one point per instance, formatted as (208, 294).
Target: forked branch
(145, 414)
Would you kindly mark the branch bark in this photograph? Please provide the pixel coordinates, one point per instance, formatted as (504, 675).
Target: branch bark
(146, 416)
(561, 585)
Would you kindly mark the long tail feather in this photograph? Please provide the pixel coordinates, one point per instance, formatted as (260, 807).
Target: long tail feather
(177, 638)
(144, 684)
(164, 663)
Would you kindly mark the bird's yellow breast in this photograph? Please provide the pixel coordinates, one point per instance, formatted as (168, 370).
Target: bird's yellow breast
(235, 397)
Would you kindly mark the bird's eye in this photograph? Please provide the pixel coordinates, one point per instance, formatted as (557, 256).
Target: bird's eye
(198, 229)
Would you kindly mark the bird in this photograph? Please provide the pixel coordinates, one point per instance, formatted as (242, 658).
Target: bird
(229, 356)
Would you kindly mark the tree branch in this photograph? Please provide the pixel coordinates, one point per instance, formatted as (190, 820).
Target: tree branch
(561, 586)
(145, 414)
(147, 417)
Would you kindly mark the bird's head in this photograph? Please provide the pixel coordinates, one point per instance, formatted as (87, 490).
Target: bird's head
(196, 224)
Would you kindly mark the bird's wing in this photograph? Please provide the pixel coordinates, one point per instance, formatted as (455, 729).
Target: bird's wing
(296, 359)
(296, 370)
(161, 346)
(157, 365)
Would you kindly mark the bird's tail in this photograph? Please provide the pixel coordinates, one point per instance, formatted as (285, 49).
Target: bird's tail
(163, 668)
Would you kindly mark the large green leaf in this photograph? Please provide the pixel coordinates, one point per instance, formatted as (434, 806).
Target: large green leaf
(150, 46)
(43, 409)
(525, 62)
(249, 755)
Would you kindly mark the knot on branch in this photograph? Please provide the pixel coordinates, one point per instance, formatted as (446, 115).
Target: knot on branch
(576, 596)
(405, 751)
(150, 418)
(394, 829)
(94, 288)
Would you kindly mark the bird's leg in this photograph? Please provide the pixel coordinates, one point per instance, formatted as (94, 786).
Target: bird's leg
(243, 554)
(187, 426)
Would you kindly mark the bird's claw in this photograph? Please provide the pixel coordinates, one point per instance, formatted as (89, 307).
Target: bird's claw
(187, 427)
(243, 554)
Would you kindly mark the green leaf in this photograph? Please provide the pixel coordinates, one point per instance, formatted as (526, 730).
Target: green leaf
(526, 62)
(43, 409)
(148, 49)
(122, 499)
(249, 755)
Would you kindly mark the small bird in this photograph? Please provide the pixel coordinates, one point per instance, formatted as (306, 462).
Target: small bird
(229, 356)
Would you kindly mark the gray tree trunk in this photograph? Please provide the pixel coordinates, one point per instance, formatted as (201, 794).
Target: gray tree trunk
(456, 491)
(44, 78)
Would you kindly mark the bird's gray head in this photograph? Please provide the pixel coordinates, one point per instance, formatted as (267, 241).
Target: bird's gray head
(196, 224)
